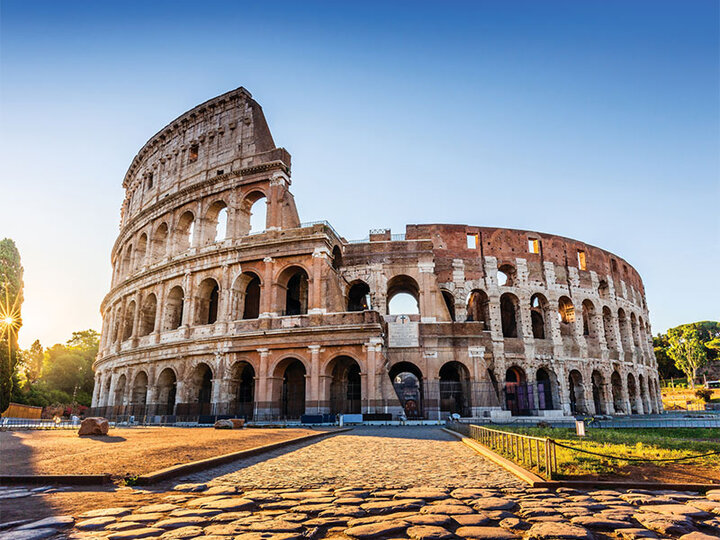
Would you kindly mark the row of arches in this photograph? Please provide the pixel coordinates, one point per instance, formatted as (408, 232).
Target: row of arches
(170, 236)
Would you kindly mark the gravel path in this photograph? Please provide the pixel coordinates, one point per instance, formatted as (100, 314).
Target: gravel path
(366, 457)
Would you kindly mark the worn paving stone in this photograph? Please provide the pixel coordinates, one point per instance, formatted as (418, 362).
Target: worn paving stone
(428, 532)
(372, 530)
(559, 531)
(107, 512)
(676, 510)
(636, 534)
(485, 533)
(471, 520)
(601, 524)
(665, 524)
(190, 487)
(182, 533)
(94, 523)
(55, 522)
(28, 534)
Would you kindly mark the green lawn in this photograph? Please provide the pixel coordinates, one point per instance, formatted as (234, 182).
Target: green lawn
(650, 443)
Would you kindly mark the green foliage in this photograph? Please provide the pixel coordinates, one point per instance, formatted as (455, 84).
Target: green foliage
(686, 348)
(704, 393)
(65, 376)
(11, 297)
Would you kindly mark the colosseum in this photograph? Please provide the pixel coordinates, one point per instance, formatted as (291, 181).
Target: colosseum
(224, 304)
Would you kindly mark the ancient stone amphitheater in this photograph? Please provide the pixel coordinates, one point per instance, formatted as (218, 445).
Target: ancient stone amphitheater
(223, 303)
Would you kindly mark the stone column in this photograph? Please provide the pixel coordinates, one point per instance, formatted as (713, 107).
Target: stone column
(96, 390)
(314, 394)
(263, 394)
(319, 263)
(268, 293)
(428, 290)
(372, 349)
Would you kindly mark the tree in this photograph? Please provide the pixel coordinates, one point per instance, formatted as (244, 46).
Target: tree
(687, 350)
(666, 365)
(32, 360)
(11, 298)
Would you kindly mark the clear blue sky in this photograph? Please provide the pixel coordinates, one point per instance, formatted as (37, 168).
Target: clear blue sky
(597, 120)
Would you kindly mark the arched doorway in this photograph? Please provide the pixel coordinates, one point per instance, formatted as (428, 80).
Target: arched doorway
(139, 391)
(632, 393)
(407, 381)
(296, 293)
(345, 386)
(292, 403)
(358, 296)
(119, 397)
(616, 388)
(577, 393)
(167, 389)
(244, 390)
(454, 389)
(545, 385)
(518, 397)
(598, 392)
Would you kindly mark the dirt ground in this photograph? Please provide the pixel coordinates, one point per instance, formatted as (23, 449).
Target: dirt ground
(126, 451)
(667, 473)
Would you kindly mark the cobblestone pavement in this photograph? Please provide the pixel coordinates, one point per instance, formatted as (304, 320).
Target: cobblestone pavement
(468, 498)
(367, 457)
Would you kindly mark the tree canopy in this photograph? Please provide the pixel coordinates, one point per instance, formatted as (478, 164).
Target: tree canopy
(687, 348)
(11, 298)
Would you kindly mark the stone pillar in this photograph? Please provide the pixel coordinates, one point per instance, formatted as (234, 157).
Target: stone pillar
(215, 394)
(320, 257)
(96, 390)
(372, 350)
(263, 396)
(159, 312)
(314, 394)
(268, 293)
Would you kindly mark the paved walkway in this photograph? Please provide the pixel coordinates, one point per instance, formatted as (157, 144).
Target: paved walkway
(367, 457)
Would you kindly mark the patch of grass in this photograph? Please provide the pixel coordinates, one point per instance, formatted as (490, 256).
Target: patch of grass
(650, 443)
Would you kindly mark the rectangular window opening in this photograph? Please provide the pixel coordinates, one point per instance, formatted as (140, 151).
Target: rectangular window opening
(472, 241)
(193, 155)
(533, 245)
(150, 181)
(581, 260)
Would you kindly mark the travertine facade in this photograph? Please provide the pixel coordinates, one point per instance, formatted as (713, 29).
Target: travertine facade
(206, 316)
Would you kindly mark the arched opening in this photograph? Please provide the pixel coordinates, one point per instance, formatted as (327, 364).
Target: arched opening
(296, 291)
(577, 393)
(202, 384)
(207, 302)
(547, 388)
(449, 300)
(216, 221)
(147, 315)
(166, 392)
(506, 275)
(174, 308)
(159, 243)
(455, 389)
(509, 315)
(518, 398)
(140, 251)
(588, 315)
(128, 320)
(337, 259)
(345, 386)
(403, 295)
(119, 397)
(407, 380)
(538, 310)
(246, 296)
(243, 381)
(185, 232)
(292, 404)
(566, 316)
(257, 213)
(616, 389)
(634, 330)
(127, 261)
(139, 391)
(624, 331)
(478, 309)
(632, 393)
(608, 328)
(358, 296)
(598, 392)
(603, 289)
(643, 394)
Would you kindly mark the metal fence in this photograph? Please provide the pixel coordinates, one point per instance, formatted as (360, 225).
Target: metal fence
(534, 453)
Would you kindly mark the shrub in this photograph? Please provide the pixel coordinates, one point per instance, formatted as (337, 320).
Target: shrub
(704, 394)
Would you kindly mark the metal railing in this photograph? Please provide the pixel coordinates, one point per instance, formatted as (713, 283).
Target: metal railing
(534, 453)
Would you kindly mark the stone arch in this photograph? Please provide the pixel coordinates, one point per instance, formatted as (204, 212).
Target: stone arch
(625, 339)
(401, 291)
(634, 330)
(603, 289)
(139, 389)
(119, 397)
(141, 251)
(478, 308)
(185, 232)
(208, 300)
(295, 282)
(455, 394)
(337, 258)
(548, 389)
(510, 315)
(174, 307)
(632, 393)
(290, 376)
(242, 389)
(216, 222)
(617, 393)
(517, 397)
(608, 328)
(358, 296)
(158, 246)
(127, 261)
(598, 392)
(200, 386)
(407, 380)
(128, 320)
(576, 393)
(344, 385)
(506, 275)
(588, 319)
(449, 301)
(116, 324)
(166, 391)
(147, 315)
(566, 316)
(253, 212)
(539, 310)
(246, 290)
